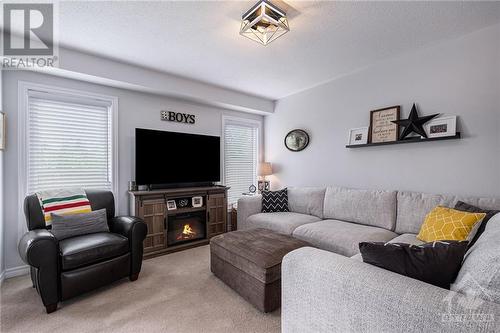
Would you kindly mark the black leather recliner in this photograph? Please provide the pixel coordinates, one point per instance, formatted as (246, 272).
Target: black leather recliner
(67, 268)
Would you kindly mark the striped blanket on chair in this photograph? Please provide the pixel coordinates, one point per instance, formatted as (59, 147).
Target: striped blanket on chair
(63, 202)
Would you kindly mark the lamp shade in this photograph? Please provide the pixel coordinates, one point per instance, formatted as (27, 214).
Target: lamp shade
(265, 169)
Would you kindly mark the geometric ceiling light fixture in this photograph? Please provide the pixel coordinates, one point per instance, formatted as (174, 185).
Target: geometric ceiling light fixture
(264, 23)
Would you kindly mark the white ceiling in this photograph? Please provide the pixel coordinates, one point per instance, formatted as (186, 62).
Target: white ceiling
(200, 40)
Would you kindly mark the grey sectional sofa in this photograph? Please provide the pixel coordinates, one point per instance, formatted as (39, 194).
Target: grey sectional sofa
(330, 289)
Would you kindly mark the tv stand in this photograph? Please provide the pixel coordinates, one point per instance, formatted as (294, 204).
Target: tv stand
(151, 206)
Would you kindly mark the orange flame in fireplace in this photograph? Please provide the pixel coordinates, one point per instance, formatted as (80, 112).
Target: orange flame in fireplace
(187, 232)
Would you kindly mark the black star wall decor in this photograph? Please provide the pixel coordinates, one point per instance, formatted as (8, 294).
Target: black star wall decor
(414, 123)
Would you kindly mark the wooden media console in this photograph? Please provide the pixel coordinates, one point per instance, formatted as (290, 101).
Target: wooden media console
(184, 227)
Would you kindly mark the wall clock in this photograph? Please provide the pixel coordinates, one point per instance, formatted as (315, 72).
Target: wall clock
(296, 140)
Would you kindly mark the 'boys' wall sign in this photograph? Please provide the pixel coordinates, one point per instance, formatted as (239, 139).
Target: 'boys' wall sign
(178, 117)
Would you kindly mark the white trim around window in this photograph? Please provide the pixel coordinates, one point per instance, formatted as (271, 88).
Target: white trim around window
(27, 89)
(243, 122)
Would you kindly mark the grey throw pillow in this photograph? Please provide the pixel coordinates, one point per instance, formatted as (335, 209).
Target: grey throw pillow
(66, 226)
(479, 227)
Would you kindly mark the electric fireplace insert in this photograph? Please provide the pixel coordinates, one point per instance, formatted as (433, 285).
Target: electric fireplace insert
(186, 227)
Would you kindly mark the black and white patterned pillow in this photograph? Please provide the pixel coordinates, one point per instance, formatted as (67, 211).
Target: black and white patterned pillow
(275, 201)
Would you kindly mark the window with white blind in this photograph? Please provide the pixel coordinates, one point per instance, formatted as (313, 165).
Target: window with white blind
(68, 141)
(241, 142)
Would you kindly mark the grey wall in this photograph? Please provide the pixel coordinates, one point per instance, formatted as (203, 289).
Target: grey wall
(460, 77)
(135, 110)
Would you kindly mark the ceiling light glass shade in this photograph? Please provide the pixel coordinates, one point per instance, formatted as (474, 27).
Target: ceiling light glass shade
(264, 23)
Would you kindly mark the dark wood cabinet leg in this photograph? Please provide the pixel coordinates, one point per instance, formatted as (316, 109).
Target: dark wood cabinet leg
(51, 308)
(134, 277)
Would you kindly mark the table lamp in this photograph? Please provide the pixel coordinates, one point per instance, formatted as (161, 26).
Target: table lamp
(265, 169)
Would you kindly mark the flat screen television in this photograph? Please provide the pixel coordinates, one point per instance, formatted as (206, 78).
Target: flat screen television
(165, 159)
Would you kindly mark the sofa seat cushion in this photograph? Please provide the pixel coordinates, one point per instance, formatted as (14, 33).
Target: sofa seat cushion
(89, 249)
(357, 257)
(407, 239)
(404, 238)
(341, 237)
(281, 222)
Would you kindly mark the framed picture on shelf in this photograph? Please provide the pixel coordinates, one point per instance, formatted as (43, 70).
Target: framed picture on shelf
(171, 205)
(263, 185)
(381, 127)
(197, 201)
(441, 126)
(358, 136)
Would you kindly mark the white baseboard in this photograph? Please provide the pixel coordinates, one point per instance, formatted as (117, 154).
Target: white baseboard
(14, 271)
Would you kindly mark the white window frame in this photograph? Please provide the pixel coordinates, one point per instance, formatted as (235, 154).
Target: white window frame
(260, 142)
(23, 140)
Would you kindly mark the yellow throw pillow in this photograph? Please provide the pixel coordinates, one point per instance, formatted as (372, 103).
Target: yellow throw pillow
(444, 223)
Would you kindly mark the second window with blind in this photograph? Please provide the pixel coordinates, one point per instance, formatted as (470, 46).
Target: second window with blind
(241, 156)
(69, 141)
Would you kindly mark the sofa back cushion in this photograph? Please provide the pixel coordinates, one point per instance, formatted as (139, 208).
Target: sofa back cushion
(369, 207)
(480, 272)
(414, 206)
(306, 200)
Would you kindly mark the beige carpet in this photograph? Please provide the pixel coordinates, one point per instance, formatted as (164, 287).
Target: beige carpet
(174, 293)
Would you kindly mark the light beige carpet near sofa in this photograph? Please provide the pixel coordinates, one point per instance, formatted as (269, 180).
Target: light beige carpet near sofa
(174, 293)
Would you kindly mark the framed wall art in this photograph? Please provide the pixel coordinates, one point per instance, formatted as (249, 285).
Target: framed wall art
(381, 127)
(442, 126)
(358, 136)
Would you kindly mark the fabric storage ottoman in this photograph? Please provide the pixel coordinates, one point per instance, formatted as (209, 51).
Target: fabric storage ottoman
(249, 261)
